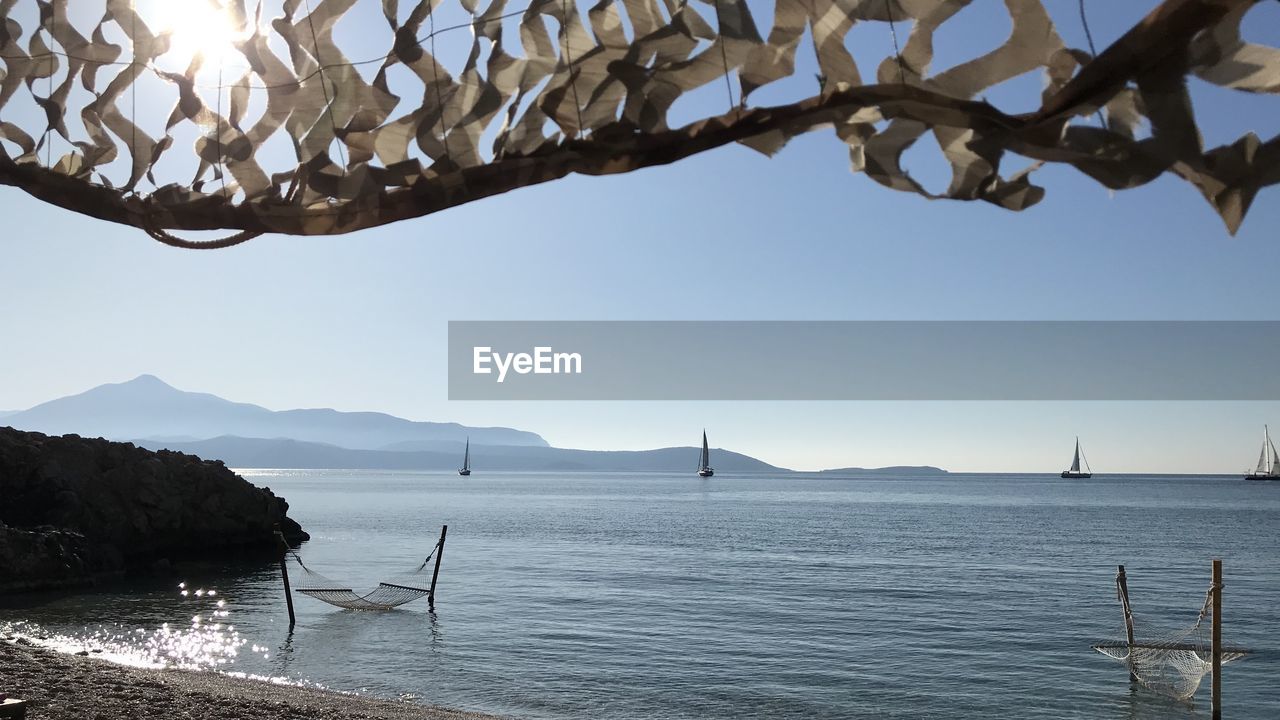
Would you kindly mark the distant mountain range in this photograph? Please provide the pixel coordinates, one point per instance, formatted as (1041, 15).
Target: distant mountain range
(147, 407)
(152, 414)
(891, 470)
(155, 415)
(286, 453)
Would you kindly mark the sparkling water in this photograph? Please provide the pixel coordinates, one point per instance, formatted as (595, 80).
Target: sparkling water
(660, 596)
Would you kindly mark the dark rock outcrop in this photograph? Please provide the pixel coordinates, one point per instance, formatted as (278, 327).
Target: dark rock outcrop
(73, 508)
(45, 557)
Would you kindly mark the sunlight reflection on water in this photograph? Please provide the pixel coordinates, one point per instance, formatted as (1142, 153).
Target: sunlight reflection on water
(207, 642)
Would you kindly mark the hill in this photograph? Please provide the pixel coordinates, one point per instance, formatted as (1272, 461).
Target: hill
(890, 470)
(289, 453)
(147, 407)
(155, 415)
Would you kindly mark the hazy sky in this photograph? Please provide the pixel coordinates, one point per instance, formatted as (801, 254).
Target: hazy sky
(358, 322)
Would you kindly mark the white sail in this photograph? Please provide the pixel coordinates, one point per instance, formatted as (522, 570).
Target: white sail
(1268, 461)
(705, 460)
(466, 456)
(1078, 459)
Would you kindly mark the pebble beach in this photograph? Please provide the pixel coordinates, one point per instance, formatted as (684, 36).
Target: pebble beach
(61, 686)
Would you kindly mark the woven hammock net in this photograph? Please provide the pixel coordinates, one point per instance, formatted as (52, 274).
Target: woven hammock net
(329, 116)
(1171, 662)
(392, 593)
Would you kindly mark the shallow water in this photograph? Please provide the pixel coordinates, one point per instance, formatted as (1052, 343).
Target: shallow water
(652, 596)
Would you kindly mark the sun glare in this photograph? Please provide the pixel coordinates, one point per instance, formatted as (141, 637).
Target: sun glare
(197, 27)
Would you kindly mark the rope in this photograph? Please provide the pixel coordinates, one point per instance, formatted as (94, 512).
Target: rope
(897, 53)
(385, 596)
(48, 149)
(1207, 608)
(222, 173)
(435, 69)
(1093, 51)
(430, 555)
(163, 236)
(568, 52)
(175, 241)
(724, 57)
(1084, 20)
(133, 84)
(324, 85)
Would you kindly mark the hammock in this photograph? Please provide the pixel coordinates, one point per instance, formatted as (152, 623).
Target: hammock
(405, 588)
(1170, 662)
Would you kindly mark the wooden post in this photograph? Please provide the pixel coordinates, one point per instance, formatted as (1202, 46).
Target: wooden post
(431, 595)
(1122, 586)
(284, 573)
(1216, 588)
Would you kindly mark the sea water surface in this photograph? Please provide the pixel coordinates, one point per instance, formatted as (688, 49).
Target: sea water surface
(798, 596)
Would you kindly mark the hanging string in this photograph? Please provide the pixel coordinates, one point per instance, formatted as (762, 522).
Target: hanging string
(724, 58)
(897, 53)
(324, 86)
(435, 69)
(1084, 20)
(1093, 51)
(133, 84)
(573, 77)
(222, 173)
(48, 133)
(291, 84)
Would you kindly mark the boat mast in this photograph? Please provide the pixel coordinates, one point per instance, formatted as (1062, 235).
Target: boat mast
(1075, 460)
(706, 454)
(1272, 461)
(466, 456)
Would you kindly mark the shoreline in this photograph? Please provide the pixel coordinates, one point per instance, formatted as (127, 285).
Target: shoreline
(61, 686)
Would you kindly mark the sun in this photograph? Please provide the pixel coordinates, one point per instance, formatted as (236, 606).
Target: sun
(197, 27)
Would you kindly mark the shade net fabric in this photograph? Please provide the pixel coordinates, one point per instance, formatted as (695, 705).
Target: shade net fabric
(330, 116)
(387, 595)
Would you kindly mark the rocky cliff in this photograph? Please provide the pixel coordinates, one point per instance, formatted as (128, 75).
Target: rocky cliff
(73, 509)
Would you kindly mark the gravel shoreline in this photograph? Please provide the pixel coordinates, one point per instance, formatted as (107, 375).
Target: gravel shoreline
(59, 686)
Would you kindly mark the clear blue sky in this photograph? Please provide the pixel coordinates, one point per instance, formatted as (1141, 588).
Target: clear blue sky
(359, 322)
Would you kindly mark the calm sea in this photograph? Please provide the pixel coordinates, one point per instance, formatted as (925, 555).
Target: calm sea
(655, 596)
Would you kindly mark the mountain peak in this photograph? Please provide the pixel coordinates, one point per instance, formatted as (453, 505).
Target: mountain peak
(148, 380)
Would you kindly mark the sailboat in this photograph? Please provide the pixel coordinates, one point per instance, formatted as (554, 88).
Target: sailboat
(1268, 462)
(1074, 471)
(466, 460)
(704, 462)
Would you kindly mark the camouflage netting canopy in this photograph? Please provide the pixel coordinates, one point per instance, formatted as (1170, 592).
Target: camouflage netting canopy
(294, 134)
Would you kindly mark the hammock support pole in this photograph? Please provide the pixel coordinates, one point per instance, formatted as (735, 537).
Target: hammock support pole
(1122, 587)
(1216, 589)
(284, 573)
(431, 594)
